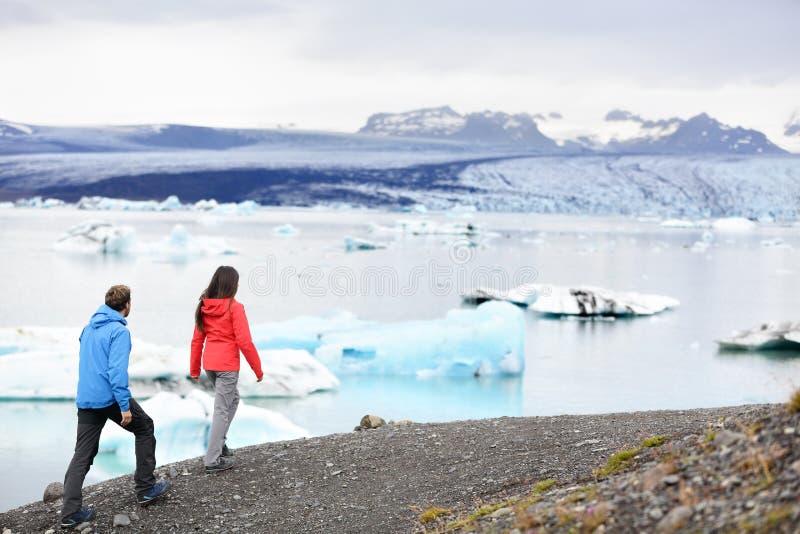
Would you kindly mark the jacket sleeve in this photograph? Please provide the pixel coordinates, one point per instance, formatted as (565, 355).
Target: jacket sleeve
(198, 340)
(118, 357)
(241, 329)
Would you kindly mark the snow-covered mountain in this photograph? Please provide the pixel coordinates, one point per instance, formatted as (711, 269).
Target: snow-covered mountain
(487, 127)
(700, 134)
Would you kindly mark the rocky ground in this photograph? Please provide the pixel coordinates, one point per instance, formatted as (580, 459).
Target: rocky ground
(726, 469)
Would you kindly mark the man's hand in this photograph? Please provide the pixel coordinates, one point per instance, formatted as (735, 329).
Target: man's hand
(126, 418)
(260, 378)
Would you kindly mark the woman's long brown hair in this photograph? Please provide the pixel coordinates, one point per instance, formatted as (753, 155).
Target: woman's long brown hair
(223, 285)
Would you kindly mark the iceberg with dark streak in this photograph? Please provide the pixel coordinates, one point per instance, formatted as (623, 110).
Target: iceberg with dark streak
(588, 301)
(766, 336)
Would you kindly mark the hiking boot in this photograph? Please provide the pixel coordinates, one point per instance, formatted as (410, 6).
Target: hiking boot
(155, 493)
(226, 452)
(81, 516)
(223, 464)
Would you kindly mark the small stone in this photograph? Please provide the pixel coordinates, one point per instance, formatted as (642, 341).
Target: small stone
(789, 430)
(121, 520)
(676, 519)
(501, 512)
(237, 497)
(173, 472)
(334, 473)
(135, 517)
(53, 492)
(85, 526)
(49, 531)
(727, 438)
(372, 421)
(655, 514)
(6, 531)
(185, 472)
(87, 530)
(651, 478)
(671, 480)
(795, 466)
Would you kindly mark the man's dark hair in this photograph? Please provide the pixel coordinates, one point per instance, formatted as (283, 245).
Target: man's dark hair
(117, 297)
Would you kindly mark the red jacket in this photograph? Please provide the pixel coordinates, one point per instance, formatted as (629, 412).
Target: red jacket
(225, 333)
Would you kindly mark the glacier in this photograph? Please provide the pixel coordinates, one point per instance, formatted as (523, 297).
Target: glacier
(42, 363)
(182, 424)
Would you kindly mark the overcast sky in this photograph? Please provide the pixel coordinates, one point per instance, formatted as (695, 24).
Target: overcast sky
(330, 64)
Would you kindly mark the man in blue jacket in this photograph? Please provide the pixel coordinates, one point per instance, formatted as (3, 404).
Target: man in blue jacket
(103, 394)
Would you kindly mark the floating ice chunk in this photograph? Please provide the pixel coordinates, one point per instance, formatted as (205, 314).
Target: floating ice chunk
(766, 336)
(248, 207)
(39, 202)
(93, 237)
(6, 205)
(304, 332)
(285, 229)
(42, 363)
(487, 340)
(776, 243)
(181, 245)
(591, 301)
(354, 243)
(171, 203)
(522, 295)
(684, 223)
(288, 373)
(425, 227)
(733, 224)
(182, 425)
(121, 204)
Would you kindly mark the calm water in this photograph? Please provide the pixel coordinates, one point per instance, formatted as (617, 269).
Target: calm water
(667, 361)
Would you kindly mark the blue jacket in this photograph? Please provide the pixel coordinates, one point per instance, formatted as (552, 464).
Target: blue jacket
(105, 350)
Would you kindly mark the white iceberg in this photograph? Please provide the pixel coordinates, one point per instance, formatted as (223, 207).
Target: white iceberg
(171, 203)
(597, 301)
(352, 244)
(97, 237)
(285, 229)
(685, 223)
(522, 295)
(181, 245)
(6, 205)
(247, 207)
(487, 340)
(733, 224)
(42, 363)
(426, 227)
(287, 373)
(182, 425)
(766, 336)
(39, 202)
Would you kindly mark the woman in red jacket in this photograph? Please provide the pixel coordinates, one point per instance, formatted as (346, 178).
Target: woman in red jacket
(221, 324)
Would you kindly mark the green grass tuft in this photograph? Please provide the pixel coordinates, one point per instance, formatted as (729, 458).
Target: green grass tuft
(617, 462)
(794, 402)
(544, 485)
(655, 441)
(433, 513)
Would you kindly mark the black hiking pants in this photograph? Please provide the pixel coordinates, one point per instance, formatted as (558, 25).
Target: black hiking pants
(90, 424)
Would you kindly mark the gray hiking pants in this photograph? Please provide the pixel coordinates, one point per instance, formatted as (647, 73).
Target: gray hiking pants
(226, 400)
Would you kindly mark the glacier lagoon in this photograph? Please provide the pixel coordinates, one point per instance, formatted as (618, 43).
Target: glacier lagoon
(725, 280)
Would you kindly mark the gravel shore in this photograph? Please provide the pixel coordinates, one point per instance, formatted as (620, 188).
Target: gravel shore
(385, 479)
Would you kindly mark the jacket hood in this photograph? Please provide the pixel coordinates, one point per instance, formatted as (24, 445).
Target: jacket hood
(105, 315)
(216, 307)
